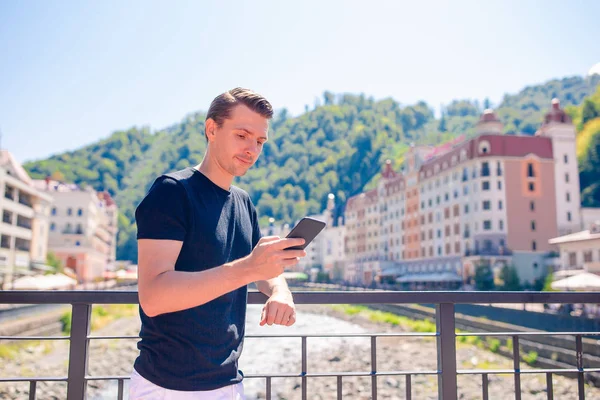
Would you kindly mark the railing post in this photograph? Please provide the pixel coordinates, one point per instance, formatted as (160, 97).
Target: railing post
(446, 351)
(78, 351)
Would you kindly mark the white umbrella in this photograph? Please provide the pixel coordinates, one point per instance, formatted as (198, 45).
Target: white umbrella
(583, 281)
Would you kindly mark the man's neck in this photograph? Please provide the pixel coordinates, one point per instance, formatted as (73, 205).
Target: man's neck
(215, 173)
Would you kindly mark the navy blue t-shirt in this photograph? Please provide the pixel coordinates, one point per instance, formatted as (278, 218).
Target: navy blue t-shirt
(197, 348)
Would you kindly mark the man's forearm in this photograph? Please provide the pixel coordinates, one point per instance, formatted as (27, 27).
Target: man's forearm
(273, 285)
(177, 290)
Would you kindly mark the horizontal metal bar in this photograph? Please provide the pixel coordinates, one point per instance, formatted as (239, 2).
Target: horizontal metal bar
(112, 337)
(337, 335)
(36, 379)
(525, 371)
(289, 375)
(34, 337)
(334, 374)
(308, 297)
(528, 334)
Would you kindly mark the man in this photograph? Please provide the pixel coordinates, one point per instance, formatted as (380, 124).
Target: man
(199, 245)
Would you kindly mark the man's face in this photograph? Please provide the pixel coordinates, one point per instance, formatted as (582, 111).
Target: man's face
(239, 141)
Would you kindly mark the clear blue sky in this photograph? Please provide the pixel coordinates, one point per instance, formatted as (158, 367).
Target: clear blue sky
(72, 72)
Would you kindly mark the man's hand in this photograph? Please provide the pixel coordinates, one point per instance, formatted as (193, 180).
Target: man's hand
(270, 257)
(279, 310)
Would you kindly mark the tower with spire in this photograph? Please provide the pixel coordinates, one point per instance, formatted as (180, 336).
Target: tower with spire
(558, 127)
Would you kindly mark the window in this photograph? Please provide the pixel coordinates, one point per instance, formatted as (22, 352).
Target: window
(531, 186)
(446, 197)
(568, 197)
(69, 211)
(439, 250)
(566, 158)
(500, 205)
(567, 177)
(423, 204)
(499, 170)
(533, 226)
(466, 190)
(487, 205)
(455, 194)
(466, 208)
(587, 256)
(437, 200)
(80, 212)
(572, 259)
(499, 185)
(530, 172)
(53, 210)
(485, 185)
(52, 226)
(569, 216)
(457, 229)
(447, 248)
(447, 213)
(487, 225)
(456, 210)
(447, 230)
(485, 169)
(5, 242)
(532, 205)
(534, 246)
(439, 233)
(501, 225)
(9, 192)
(7, 217)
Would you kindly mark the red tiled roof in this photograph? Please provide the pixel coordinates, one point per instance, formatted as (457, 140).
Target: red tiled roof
(500, 146)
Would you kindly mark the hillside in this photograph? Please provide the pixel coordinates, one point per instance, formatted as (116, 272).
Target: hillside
(338, 147)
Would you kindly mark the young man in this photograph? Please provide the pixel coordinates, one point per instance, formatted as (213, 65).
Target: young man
(199, 245)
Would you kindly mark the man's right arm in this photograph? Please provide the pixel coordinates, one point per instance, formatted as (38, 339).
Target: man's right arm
(162, 289)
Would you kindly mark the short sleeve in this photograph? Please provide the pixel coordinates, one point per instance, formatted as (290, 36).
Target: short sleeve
(256, 235)
(163, 213)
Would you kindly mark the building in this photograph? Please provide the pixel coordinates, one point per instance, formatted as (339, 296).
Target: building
(579, 251)
(493, 200)
(83, 228)
(24, 227)
(327, 251)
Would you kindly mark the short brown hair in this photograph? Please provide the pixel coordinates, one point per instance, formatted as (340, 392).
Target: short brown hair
(221, 106)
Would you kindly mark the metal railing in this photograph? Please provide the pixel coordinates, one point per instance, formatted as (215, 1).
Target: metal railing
(445, 335)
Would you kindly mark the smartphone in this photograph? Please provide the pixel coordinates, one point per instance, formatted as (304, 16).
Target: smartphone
(307, 229)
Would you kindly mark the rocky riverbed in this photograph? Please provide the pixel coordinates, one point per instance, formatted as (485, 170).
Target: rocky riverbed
(283, 355)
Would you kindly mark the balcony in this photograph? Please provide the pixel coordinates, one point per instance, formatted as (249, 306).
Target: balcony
(490, 252)
(445, 335)
(26, 201)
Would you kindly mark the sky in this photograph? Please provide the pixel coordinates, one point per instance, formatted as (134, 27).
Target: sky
(73, 72)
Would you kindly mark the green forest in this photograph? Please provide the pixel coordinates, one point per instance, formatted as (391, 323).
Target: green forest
(337, 146)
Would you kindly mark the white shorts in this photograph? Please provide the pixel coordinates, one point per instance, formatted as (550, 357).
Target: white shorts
(142, 389)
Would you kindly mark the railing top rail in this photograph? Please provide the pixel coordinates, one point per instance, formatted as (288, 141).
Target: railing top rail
(309, 297)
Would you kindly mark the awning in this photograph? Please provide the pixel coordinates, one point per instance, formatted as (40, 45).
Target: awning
(43, 282)
(440, 277)
(583, 281)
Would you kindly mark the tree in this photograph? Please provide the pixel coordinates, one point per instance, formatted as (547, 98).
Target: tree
(54, 262)
(510, 278)
(484, 278)
(58, 176)
(589, 111)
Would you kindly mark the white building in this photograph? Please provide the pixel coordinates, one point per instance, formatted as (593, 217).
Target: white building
(580, 250)
(24, 227)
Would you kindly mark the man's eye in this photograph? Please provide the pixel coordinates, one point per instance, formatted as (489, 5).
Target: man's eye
(260, 143)
(241, 136)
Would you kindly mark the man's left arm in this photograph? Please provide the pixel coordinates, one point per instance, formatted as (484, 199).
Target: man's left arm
(279, 308)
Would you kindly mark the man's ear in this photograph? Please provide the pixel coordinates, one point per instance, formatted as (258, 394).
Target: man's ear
(210, 127)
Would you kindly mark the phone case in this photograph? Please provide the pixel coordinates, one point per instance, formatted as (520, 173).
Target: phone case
(308, 228)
